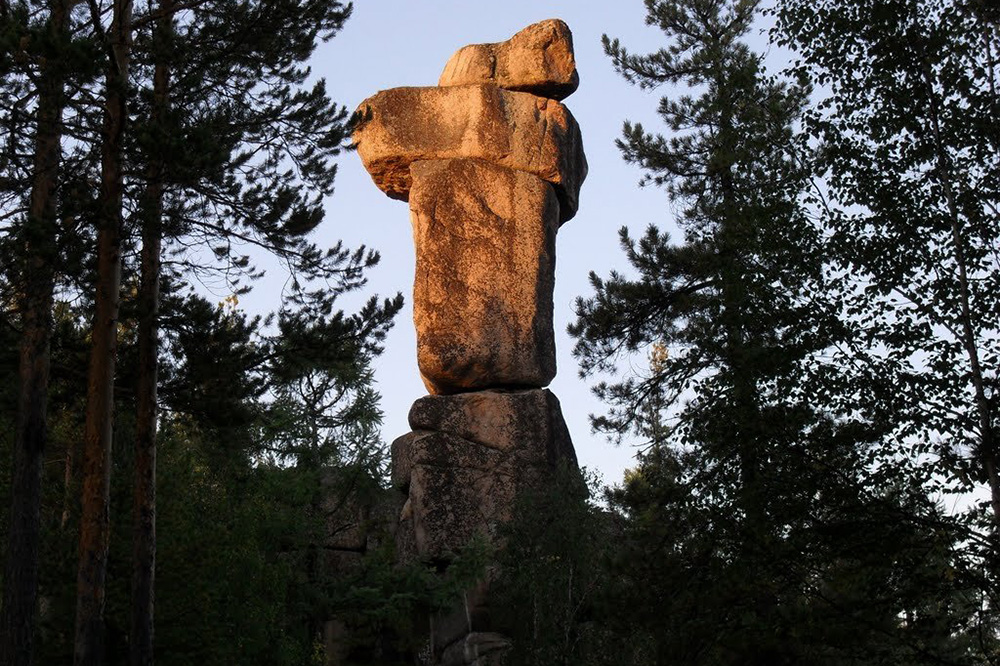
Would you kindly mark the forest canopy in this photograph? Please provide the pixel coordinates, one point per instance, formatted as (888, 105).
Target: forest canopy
(808, 365)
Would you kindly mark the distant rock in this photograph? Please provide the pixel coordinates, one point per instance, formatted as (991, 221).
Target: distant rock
(477, 649)
(471, 614)
(538, 60)
(511, 129)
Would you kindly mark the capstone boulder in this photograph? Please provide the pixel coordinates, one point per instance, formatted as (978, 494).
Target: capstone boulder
(539, 59)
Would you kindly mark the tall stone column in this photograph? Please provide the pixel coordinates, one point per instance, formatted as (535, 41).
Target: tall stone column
(491, 163)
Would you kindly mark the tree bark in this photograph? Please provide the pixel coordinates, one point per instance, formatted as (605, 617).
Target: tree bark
(20, 589)
(94, 519)
(144, 492)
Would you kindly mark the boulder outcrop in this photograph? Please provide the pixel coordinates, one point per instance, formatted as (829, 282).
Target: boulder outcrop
(527, 423)
(467, 459)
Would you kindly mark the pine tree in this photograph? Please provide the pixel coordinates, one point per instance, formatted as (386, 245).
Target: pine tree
(95, 522)
(147, 312)
(739, 523)
(36, 65)
(214, 175)
(735, 310)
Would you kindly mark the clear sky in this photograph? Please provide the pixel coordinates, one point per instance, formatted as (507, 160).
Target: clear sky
(391, 43)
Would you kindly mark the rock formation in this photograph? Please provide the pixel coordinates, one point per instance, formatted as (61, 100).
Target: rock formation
(538, 60)
(491, 164)
(515, 130)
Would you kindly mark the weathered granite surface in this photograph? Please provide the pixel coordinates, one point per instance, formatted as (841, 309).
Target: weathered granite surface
(538, 60)
(482, 296)
(491, 164)
(512, 129)
(529, 423)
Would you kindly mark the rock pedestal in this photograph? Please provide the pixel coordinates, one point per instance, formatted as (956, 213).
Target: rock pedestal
(491, 164)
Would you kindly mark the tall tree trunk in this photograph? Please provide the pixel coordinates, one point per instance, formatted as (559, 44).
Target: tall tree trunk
(20, 588)
(69, 474)
(969, 338)
(144, 493)
(94, 519)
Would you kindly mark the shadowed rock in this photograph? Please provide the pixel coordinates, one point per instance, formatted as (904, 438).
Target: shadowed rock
(471, 614)
(477, 649)
(485, 271)
(456, 490)
(466, 461)
(538, 60)
(527, 422)
(436, 449)
(516, 130)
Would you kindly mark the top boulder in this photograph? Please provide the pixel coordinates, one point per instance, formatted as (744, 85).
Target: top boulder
(537, 60)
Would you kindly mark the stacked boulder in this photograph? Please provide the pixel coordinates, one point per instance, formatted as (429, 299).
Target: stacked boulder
(491, 164)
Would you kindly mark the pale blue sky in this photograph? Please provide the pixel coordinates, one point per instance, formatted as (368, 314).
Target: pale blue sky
(391, 43)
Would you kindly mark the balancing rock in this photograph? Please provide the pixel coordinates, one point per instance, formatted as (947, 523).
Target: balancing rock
(491, 164)
(538, 60)
(482, 296)
(512, 129)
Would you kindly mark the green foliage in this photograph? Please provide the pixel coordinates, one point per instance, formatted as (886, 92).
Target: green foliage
(238, 575)
(907, 130)
(766, 521)
(240, 571)
(246, 144)
(739, 304)
(851, 577)
(256, 414)
(220, 560)
(908, 134)
(386, 604)
(325, 410)
(550, 594)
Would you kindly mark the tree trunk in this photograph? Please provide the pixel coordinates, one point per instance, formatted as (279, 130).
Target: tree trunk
(20, 589)
(94, 519)
(69, 474)
(987, 452)
(144, 493)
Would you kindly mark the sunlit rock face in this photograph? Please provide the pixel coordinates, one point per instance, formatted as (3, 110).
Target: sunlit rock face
(491, 164)
(516, 130)
(538, 60)
(482, 297)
